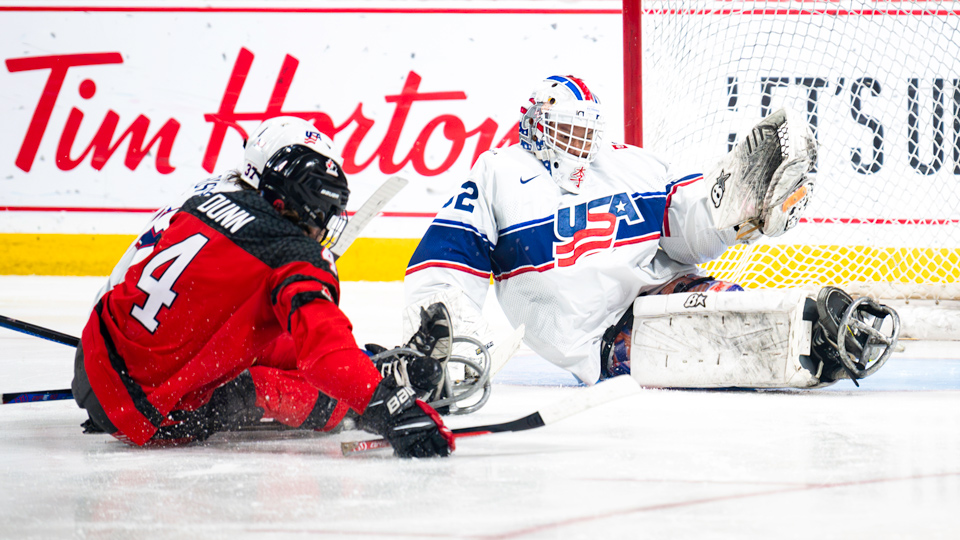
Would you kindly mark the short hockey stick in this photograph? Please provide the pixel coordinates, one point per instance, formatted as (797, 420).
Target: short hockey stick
(369, 210)
(45, 395)
(38, 331)
(45, 333)
(599, 394)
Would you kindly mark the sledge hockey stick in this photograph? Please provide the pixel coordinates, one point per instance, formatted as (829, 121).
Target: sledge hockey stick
(604, 392)
(369, 210)
(45, 333)
(43, 395)
(38, 331)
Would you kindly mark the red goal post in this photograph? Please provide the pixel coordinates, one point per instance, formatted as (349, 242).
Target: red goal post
(879, 81)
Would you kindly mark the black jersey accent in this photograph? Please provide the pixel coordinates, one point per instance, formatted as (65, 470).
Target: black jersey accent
(252, 224)
(134, 390)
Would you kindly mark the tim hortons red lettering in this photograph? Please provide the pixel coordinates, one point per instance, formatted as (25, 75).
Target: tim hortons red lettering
(453, 130)
(102, 144)
(58, 66)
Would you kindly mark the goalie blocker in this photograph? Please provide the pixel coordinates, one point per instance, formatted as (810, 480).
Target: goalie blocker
(759, 339)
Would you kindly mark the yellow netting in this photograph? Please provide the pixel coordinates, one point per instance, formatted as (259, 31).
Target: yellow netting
(773, 266)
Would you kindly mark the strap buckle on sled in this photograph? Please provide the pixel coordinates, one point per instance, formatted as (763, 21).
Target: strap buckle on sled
(862, 345)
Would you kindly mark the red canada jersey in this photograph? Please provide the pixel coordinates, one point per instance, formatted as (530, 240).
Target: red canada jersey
(226, 278)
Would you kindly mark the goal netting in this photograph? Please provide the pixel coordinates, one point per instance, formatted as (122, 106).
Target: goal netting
(879, 81)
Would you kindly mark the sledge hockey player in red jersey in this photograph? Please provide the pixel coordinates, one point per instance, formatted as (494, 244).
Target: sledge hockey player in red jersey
(581, 235)
(226, 311)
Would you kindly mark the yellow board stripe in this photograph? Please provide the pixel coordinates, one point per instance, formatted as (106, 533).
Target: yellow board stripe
(377, 259)
(61, 254)
(385, 259)
(368, 259)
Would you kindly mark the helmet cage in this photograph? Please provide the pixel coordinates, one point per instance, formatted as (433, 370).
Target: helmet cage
(311, 185)
(562, 126)
(574, 133)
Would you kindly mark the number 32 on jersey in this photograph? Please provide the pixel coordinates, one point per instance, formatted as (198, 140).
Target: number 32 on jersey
(464, 200)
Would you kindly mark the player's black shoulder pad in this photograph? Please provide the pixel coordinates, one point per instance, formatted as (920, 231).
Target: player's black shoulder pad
(249, 221)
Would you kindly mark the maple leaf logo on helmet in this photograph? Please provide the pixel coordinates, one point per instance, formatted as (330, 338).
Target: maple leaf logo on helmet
(578, 175)
(563, 128)
(332, 168)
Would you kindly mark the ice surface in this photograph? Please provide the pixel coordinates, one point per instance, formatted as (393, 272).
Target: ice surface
(878, 462)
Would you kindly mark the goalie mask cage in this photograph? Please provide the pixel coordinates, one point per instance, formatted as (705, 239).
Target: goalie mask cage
(879, 81)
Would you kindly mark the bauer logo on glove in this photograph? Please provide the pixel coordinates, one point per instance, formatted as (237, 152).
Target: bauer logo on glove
(397, 401)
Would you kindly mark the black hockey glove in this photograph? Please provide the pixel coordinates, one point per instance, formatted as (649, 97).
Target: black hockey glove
(413, 428)
(423, 373)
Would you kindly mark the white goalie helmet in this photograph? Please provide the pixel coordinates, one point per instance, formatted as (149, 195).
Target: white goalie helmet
(280, 132)
(562, 125)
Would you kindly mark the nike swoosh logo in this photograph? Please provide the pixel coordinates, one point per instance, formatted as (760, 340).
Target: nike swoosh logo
(522, 181)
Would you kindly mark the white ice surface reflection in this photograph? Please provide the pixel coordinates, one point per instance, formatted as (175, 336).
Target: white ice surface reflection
(878, 462)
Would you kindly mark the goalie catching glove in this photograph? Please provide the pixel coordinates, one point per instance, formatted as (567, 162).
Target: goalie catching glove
(761, 186)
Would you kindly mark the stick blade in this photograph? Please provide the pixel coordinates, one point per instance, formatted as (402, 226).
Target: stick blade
(604, 392)
(349, 448)
(384, 194)
(505, 349)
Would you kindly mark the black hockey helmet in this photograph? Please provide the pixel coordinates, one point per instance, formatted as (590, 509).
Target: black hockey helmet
(298, 179)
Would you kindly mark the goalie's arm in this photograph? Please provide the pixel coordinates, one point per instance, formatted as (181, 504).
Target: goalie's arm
(454, 257)
(690, 235)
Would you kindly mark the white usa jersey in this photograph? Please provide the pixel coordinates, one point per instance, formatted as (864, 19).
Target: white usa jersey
(566, 265)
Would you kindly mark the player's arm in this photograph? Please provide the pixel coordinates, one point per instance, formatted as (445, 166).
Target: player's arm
(329, 359)
(304, 301)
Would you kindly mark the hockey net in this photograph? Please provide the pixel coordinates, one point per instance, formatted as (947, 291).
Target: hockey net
(880, 83)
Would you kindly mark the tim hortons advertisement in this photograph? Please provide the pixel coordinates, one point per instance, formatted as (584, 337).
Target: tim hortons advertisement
(124, 108)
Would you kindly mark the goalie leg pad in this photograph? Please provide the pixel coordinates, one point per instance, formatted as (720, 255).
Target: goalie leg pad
(615, 344)
(749, 339)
